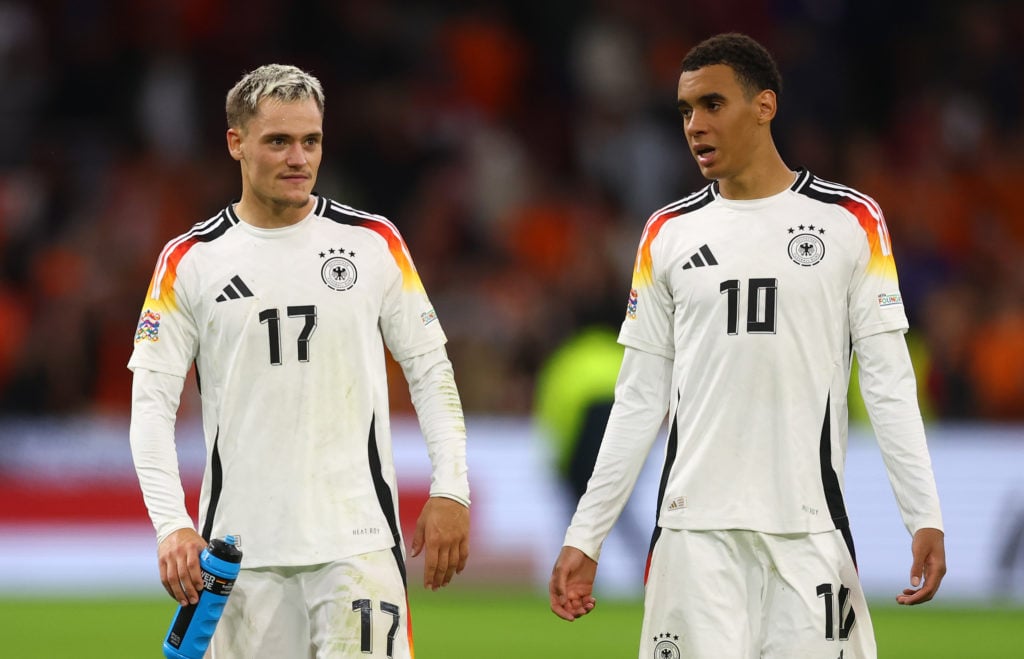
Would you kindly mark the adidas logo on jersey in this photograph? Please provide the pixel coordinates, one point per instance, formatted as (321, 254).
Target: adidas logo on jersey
(236, 289)
(702, 258)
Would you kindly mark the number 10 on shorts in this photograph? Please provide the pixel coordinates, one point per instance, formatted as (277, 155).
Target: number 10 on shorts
(846, 617)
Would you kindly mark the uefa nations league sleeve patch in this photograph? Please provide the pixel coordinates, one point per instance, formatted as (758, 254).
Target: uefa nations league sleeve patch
(149, 327)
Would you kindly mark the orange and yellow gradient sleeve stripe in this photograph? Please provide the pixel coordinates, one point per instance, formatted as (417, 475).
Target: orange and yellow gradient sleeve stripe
(399, 252)
(643, 267)
(873, 223)
(160, 297)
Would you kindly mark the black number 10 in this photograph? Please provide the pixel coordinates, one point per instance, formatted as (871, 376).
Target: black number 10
(837, 614)
(760, 305)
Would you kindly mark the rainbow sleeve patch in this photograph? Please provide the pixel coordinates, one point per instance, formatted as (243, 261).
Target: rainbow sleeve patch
(632, 303)
(149, 327)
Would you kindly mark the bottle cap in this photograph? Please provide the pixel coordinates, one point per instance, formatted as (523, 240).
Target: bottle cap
(226, 549)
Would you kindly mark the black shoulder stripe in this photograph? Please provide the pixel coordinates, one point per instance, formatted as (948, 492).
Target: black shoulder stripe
(687, 204)
(805, 185)
(342, 214)
(216, 226)
(829, 192)
(321, 204)
(819, 195)
(694, 201)
(201, 232)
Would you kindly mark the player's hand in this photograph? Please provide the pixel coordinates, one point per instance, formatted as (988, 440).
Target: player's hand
(929, 567)
(443, 530)
(178, 556)
(572, 584)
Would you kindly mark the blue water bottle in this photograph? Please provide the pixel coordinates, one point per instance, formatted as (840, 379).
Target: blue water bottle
(192, 626)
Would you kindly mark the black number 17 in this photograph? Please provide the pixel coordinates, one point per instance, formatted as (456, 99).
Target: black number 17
(365, 609)
(272, 319)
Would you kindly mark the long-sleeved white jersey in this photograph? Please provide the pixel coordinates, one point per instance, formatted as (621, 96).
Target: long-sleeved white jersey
(287, 329)
(752, 310)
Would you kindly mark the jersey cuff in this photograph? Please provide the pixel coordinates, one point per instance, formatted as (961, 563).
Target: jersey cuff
(167, 528)
(157, 367)
(643, 346)
(589, 547)
(454, 497)
(420, 349)
(856, 334)
(926, 523)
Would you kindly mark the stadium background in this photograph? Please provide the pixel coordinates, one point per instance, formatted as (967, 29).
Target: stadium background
(519, 146)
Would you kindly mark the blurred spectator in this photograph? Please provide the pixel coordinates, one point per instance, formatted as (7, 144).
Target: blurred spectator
(997, 361)
(519, 146)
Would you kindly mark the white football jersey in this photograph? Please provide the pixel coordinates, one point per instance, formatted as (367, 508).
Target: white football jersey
(757, 303)
(285, 328)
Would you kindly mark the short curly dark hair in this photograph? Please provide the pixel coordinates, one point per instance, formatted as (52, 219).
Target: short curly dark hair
(753, 65)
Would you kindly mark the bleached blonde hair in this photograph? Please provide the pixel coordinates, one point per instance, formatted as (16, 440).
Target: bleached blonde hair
(279, 81)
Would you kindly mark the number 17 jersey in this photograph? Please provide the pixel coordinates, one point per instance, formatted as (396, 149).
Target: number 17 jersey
(287, 329)
(758, 302)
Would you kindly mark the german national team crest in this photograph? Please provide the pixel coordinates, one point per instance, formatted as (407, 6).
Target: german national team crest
(665, 647)
(806, 248)
(338, 272)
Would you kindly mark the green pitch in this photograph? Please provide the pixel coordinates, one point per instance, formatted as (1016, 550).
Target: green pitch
(462, 623)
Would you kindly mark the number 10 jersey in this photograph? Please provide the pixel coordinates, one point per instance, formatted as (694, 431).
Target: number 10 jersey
(758, 303)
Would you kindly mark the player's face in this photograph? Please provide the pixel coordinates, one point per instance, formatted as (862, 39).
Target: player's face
(722, 126)
(280, 150)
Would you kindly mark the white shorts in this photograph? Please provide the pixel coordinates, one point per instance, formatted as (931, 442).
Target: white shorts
(356, 607)
(747, 595)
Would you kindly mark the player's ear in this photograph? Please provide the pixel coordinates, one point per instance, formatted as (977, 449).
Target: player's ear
(234, 138)
(767, 104)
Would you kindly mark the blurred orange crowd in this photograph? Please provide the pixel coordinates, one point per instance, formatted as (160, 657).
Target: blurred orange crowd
(519, 146)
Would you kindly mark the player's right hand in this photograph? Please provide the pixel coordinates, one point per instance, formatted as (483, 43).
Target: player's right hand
(178, 556)
(572, 584)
